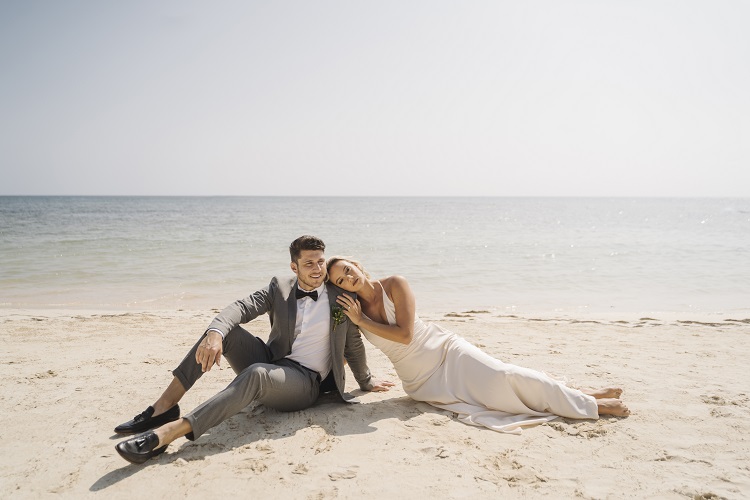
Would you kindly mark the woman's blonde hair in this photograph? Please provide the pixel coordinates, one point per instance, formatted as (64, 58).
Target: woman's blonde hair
(336, 258)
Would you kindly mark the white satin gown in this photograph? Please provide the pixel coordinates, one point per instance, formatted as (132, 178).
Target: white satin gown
(446, 371)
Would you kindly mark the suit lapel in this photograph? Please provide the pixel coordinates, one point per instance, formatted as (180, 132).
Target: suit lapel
(333, 292)
(291, 304)
(337, 339)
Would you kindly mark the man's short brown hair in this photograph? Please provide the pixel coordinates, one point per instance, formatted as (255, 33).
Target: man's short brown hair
(305, 242)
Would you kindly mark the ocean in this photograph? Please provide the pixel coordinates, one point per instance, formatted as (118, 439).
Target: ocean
(517, 256)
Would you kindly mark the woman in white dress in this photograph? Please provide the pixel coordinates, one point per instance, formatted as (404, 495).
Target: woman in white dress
(441, 368)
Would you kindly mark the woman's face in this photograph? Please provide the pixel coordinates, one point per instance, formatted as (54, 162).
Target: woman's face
(346, 275)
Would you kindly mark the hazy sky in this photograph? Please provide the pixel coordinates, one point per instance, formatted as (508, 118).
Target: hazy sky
(506, 98)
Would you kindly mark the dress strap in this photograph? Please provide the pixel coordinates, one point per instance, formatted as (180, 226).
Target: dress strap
(385, 295)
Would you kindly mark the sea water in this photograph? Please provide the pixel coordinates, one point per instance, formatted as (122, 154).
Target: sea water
(567, 256)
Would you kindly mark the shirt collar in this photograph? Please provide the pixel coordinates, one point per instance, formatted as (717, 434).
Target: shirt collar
(321, 289)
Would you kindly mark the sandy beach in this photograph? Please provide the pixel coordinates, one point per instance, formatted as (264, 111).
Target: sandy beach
(70, 376)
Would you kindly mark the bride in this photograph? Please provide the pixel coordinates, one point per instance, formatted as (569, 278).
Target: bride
(441, 368)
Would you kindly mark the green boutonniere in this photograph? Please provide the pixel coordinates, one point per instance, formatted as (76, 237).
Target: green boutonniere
(337, 313)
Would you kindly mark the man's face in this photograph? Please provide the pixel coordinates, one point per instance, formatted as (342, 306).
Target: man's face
(310, 269)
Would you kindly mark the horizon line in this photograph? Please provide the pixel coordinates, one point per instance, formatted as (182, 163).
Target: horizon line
(354, 196)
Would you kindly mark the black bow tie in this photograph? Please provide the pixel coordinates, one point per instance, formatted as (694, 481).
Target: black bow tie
(302, 294)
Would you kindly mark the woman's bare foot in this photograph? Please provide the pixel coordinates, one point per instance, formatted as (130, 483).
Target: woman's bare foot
(612, 406)
(605, 393)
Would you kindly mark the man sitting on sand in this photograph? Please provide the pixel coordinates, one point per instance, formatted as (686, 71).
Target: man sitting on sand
(304, 356)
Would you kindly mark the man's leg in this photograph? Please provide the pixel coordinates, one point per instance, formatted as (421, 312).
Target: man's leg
(284, 386)
(243, 352)
(240, 348)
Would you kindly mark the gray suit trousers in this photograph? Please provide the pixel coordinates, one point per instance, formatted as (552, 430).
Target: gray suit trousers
(283, 385)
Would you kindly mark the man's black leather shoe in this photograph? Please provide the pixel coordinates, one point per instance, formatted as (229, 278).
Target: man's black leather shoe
(145, 421)
(140, 448)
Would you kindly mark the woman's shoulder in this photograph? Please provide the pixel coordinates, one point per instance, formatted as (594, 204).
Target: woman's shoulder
(394, 283)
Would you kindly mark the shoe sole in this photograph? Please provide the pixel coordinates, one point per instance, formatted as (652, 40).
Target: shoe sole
(139, 459)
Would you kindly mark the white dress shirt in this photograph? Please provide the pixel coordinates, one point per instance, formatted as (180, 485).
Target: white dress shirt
(312, 346)
(312, 343)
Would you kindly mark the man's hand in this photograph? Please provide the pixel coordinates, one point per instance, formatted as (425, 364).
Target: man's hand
(381, 385)
(209, 351)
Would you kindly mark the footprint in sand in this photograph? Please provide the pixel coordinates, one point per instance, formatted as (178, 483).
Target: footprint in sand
(300, 469)
(719, 413)
(264, 447)
(349, 472)
(595, 433)
(581, 430)
(47, 374)
(706, 496)
(256, 466)
(324, 494)
(439, 452)
(714, 400)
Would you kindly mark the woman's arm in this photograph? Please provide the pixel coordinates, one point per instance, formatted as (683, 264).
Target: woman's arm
(403, 300)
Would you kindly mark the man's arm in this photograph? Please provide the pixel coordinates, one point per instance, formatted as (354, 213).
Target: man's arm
(211, 348)
(244, 310)
(356, 357)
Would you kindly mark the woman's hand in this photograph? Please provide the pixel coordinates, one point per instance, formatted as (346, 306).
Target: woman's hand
(351, 308)
(209, 351)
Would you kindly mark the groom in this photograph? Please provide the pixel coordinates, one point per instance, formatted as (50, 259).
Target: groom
(303, 357)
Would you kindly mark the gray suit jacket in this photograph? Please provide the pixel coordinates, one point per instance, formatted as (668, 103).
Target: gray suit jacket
(278, 300)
